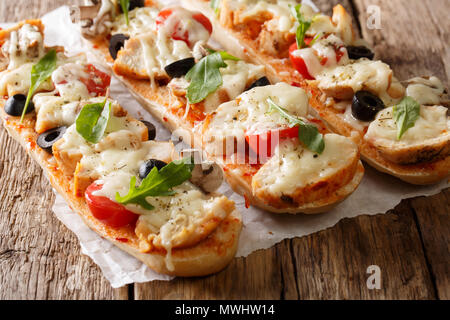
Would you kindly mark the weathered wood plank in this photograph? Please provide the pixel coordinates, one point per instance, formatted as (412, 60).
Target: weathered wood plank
(265, 274)
(413, 38)
(434, 225)
(418, 45)
(39, 257)
(333, 264)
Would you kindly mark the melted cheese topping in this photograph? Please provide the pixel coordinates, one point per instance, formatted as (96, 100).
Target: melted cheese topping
(249, 112)
(293, 166)
(102, 23)
(180, 23)
(425, 91)
(374, 76)
(67, 81)
(236, 76)
(120, 149)
(283, 20)
(181, 216)
(323, 50)
(142, 20)
(24, 46)
(281, 13)
(13, 81)
(53, 111)
(348, 117)
(18, 80)
(432, 123)
(159, 51)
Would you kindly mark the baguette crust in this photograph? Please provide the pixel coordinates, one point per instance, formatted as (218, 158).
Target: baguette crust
(156, 101)
(420, 173)
(280, 69)
(206, 257)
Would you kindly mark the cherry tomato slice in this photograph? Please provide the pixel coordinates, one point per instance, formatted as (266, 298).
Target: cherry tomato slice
(107, 211)
(179, 33)
(203, 21)
(98, 82)
(262, 143)
(298, 63)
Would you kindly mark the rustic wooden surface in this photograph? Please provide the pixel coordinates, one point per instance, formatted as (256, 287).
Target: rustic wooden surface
(41, 259)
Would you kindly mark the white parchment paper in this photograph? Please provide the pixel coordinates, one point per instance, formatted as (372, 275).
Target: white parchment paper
(377, 193)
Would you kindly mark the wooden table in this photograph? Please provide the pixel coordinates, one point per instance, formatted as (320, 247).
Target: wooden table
(41, 259)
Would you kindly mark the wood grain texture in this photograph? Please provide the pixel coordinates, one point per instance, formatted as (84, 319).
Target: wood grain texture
(334, 263)
(40, 258)
(413, 46)
(434, 225)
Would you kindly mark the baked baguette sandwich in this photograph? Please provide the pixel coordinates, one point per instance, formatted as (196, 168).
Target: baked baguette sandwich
(403, 131)
(162, 57)
(133, 191)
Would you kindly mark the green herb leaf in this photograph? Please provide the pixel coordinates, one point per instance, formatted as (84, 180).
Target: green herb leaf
(405, 115)
(303, 27)
(215, 4)
(225, 55)
(205, 77)
(125, 4)
(92, 121)
(158, 183)
(308, 133)
(40, 72)
(316, 37)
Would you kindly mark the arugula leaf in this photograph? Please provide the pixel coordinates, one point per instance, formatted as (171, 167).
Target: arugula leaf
(125, 4)
(316, 37)
(205, 77)
(92, 121)
(303, 27)
(158, 183)
(405, 115)
(225, 55)
(308, 133)
(40, 72)
(215, 5)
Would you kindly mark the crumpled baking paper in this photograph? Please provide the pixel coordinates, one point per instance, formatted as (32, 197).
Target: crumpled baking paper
(377, 193)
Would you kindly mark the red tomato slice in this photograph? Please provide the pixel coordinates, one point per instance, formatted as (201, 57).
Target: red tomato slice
(107, 211)
(98, 81)
(179, 33)
(263, 143)
(298, 63)
(203, 21)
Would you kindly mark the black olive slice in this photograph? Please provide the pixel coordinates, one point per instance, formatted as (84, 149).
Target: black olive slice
(179, 68)
(148, 165)
(359, 52)
(47, 139)
(366, 105)
(134, 4)
(151, 129)
(116, 43)
(261, 82)
(15, 104)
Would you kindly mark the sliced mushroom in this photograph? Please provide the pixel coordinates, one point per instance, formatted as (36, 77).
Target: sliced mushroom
(199, 51)
(207, 175)
(427, 91)
(84, 13)
(93, 17)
